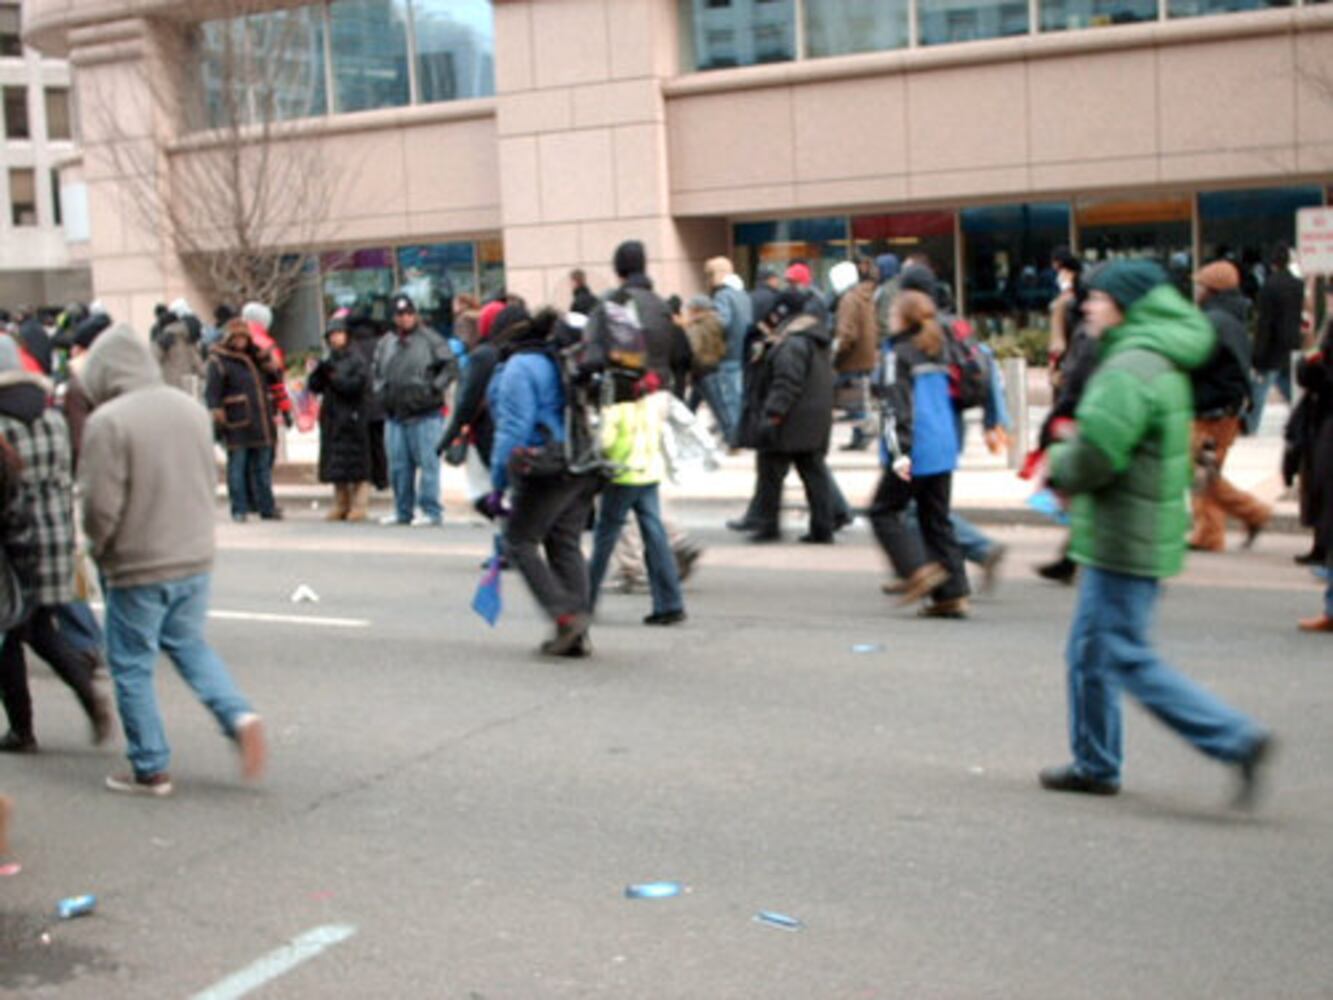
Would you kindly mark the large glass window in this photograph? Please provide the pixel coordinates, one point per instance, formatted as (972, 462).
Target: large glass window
(358, 278)
(1157, 229)
(821, 243)
(434, 274)
(455, 48)
(57, 207)
(491, 257)
(369, 40)
(944, 21)
(16, 113)
(1247, 226)
(724, 33)
(904, 234)
(11, 41)
(1198, 8)
(1007, 260)
(840, 27)
(57, 113)
(1067, 15)
(263, 68)
(23, 197)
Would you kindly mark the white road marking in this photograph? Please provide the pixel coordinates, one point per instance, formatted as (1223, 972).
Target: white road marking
(278, 962)
(263, 616)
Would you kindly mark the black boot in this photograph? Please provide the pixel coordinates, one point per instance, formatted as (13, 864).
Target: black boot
(13, 742)
(1063, 570)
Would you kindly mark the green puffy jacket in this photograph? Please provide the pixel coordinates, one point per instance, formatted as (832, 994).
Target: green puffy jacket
(1130, 464)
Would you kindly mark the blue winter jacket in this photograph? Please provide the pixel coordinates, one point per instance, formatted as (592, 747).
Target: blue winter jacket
(527, 400)
(919, 416)
(736, 313)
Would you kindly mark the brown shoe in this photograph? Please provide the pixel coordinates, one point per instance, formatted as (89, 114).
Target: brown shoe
(250, 740)
(955, 607)
(156, 785)
(922, 582)
(1323, 623)
(893, 587)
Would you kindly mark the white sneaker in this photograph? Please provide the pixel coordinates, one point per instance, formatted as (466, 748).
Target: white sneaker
(422, 521)
(390, 519)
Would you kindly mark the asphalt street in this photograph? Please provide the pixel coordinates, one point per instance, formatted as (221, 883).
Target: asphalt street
(468, 815)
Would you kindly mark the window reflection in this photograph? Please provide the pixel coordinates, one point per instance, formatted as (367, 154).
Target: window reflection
(840, 27)
(820, 242)
(1247, 226)
(724, 33)
(433, 275)
(944, 21)
(358, 279)
(1007, 259)
(369, 54)
(1156, 229)
(1067, 15)
(1199, 8)
(455, 48)
(264, 68)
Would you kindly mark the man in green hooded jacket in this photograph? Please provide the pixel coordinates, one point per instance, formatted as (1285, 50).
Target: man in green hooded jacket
(1128, 470)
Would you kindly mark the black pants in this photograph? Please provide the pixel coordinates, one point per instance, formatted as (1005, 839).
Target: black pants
(551, 512)
(773, 467)
(842, 510)
(907, 550)
(74, 668)
(379, 461)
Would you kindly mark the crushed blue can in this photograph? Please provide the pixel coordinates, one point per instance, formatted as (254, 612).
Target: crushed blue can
(76, 906)
(868, 647)
(781, 920)
(653, 890)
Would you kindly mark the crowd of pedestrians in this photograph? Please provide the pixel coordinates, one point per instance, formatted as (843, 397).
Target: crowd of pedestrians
(570, 420)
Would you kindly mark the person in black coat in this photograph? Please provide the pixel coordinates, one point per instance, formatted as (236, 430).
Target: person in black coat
(1315, 375)
(791, 417)
(1277, 334)
(342, 379)
(365, 334)
(237, 393)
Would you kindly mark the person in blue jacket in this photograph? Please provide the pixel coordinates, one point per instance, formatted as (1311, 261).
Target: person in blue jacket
(919, 449)
(550, 505)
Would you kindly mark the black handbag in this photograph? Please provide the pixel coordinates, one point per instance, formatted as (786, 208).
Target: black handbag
(456, 453)
(542, 461)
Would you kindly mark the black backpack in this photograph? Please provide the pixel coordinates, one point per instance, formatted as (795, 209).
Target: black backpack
(969, 370)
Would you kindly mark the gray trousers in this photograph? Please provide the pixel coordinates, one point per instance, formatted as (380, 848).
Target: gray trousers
(549, 516)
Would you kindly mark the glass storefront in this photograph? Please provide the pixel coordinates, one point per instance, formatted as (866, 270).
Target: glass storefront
(369, 44)
(1247, 226)
(358, 279)
(434, 274)
(946, 21)
(909, 233)
(455, 48)
(1157, 229)
(1202, 8)
(1007, 259)
(1071, 15)
(841, 27)
(717, 34)
(820, 243)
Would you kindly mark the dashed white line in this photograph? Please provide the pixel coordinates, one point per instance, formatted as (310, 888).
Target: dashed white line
(278, 962)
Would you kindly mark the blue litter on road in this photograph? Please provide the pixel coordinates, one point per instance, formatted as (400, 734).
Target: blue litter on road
(76, 906)
(868, 647)
(654, 890)
(780, 920)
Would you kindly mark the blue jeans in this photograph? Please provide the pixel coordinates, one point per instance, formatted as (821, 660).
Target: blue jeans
(995, 413)
(411, 448)
(79, 627)
(1109, 650)
(663, 580)
(164, 617)
(730, 381)
(712, 388)
(1263, 385)
(250, 471)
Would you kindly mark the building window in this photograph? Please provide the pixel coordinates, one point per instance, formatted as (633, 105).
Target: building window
(57, 113)
(1247, 226)
(359, 279)
(819, 242)
(841, 27)
(455, 43)
(1199, 8)
(370, 66)
(23, 197)
(1066, 15)
(263, 68)
(1008, 278)
(945, 21)
(57, 210)
(16, 113)
(434, 274)
(491, 265)
(737, 32)
(1157, 229)
(906, 234)
(11, 41)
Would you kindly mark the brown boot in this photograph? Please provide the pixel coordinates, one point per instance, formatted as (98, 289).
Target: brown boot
(922, 582)
(359, 502)
(340, 503)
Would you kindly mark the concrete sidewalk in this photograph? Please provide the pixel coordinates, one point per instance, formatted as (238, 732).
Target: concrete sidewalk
(985, 488)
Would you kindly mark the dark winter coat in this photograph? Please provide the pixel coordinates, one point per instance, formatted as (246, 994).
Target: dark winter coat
(365, 337)
(343, 382)
(237, 394)
(795, 384)
(470, 407)
(32, 335)
(1222, 385)
(654, 318)
(1076, 368)
(919, 419)
(584, 301)
(412, 372)
(1315, 375)
(1279, 329)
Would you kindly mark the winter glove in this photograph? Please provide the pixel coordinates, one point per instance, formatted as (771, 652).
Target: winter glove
(492, 505)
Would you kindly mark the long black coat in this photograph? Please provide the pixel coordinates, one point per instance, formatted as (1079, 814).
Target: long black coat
(1315, 374)
(795, 383)
(343, 382)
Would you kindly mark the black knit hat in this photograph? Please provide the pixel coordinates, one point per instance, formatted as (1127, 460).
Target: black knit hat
(513, 324)
(630, 258)
(917, 278)
(1127, 281)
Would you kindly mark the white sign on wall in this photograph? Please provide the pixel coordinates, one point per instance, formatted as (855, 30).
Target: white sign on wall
(1314, 240)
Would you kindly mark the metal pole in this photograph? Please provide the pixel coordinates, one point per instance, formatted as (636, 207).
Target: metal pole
(1016, 398)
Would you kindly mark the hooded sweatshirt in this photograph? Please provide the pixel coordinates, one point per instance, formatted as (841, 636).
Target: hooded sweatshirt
(147, 470)
(1129, 464)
